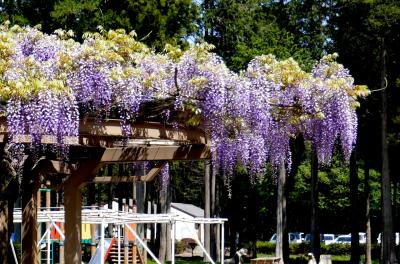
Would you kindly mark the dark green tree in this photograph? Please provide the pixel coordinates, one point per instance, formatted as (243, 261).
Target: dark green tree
(241, 30)
(11, 10)
(156, 22)
(368, 44)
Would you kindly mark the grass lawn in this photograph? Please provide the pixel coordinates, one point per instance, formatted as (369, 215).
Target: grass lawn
(181, 260)
(294, 259)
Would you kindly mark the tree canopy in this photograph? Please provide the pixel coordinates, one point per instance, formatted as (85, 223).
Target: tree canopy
(50, 81)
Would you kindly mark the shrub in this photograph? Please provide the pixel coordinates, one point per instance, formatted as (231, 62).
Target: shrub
(301, 248)
(265, 247)
(18, 250)
(336, 249)
(180, 246)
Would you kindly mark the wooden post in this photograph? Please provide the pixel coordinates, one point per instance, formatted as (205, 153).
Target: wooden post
(48, 198)
(30, 186)
(73, 209)
(126, 242)
(148, 234)
(48, 205)
(38, 205)
(134, 227)
(93, 236)
(62, 241)
(29, 231)
(134, 253)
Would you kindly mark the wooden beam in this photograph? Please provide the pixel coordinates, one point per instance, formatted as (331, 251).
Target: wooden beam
(115, 179)
(153, 172)
(106, 133)
(134, 178)
(128, 154)
(143, 130)
(46, 166)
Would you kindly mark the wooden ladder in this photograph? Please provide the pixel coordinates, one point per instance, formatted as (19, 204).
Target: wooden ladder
(113, 256)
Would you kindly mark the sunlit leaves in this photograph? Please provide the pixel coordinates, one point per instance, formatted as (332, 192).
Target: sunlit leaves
(249, 117)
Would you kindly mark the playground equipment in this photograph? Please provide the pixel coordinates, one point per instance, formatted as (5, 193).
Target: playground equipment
(101, 254)
(98, 145)
(121, 219)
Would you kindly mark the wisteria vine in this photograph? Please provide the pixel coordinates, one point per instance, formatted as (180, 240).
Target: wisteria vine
(49, 81)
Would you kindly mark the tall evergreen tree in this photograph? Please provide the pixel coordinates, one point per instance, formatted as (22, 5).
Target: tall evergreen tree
(156, 22)
(241, 30)
(368, 45)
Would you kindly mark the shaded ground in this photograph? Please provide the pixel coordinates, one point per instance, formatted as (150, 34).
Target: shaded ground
(197, 252)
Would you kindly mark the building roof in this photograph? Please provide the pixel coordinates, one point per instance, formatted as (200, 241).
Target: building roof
(189, 209)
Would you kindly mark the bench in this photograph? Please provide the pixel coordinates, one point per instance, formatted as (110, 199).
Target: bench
(265, 260)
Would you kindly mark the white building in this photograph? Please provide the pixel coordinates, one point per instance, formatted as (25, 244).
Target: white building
(188, 230)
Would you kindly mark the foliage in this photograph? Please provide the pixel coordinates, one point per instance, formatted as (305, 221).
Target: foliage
(336, 249)
(46, 79)
(186, 177)
(156, 22)
(265, 247)
(368, 44)
(18, 250)
(180, 246)
(241, 30)
(334, 203)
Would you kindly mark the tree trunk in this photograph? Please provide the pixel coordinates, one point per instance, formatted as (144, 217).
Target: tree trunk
(315, 241)
(213, 228)
(4, 242)
(282, 242)
(9, 190)
(168, 210)
(207, 208)
(395, 211)
(389, 255)
(164, 252)
(110, 195)
(355, 242)
(367, 191)
(139, 195)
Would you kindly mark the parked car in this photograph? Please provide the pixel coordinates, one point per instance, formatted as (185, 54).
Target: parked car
(296, 237)
(397, 238)
(343, 239)
(362, 238)
(325, 238)
(328, 239)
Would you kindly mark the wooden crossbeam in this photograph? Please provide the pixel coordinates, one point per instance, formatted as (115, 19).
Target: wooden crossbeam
(148, 177)
(109, 131)
(142, 153)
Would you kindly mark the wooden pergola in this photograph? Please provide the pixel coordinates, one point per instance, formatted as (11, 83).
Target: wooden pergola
(99, 143)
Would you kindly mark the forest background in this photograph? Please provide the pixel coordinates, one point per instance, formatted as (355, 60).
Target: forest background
(365, 34)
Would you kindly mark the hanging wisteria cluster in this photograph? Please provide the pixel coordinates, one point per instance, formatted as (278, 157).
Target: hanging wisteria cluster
(49, 82)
